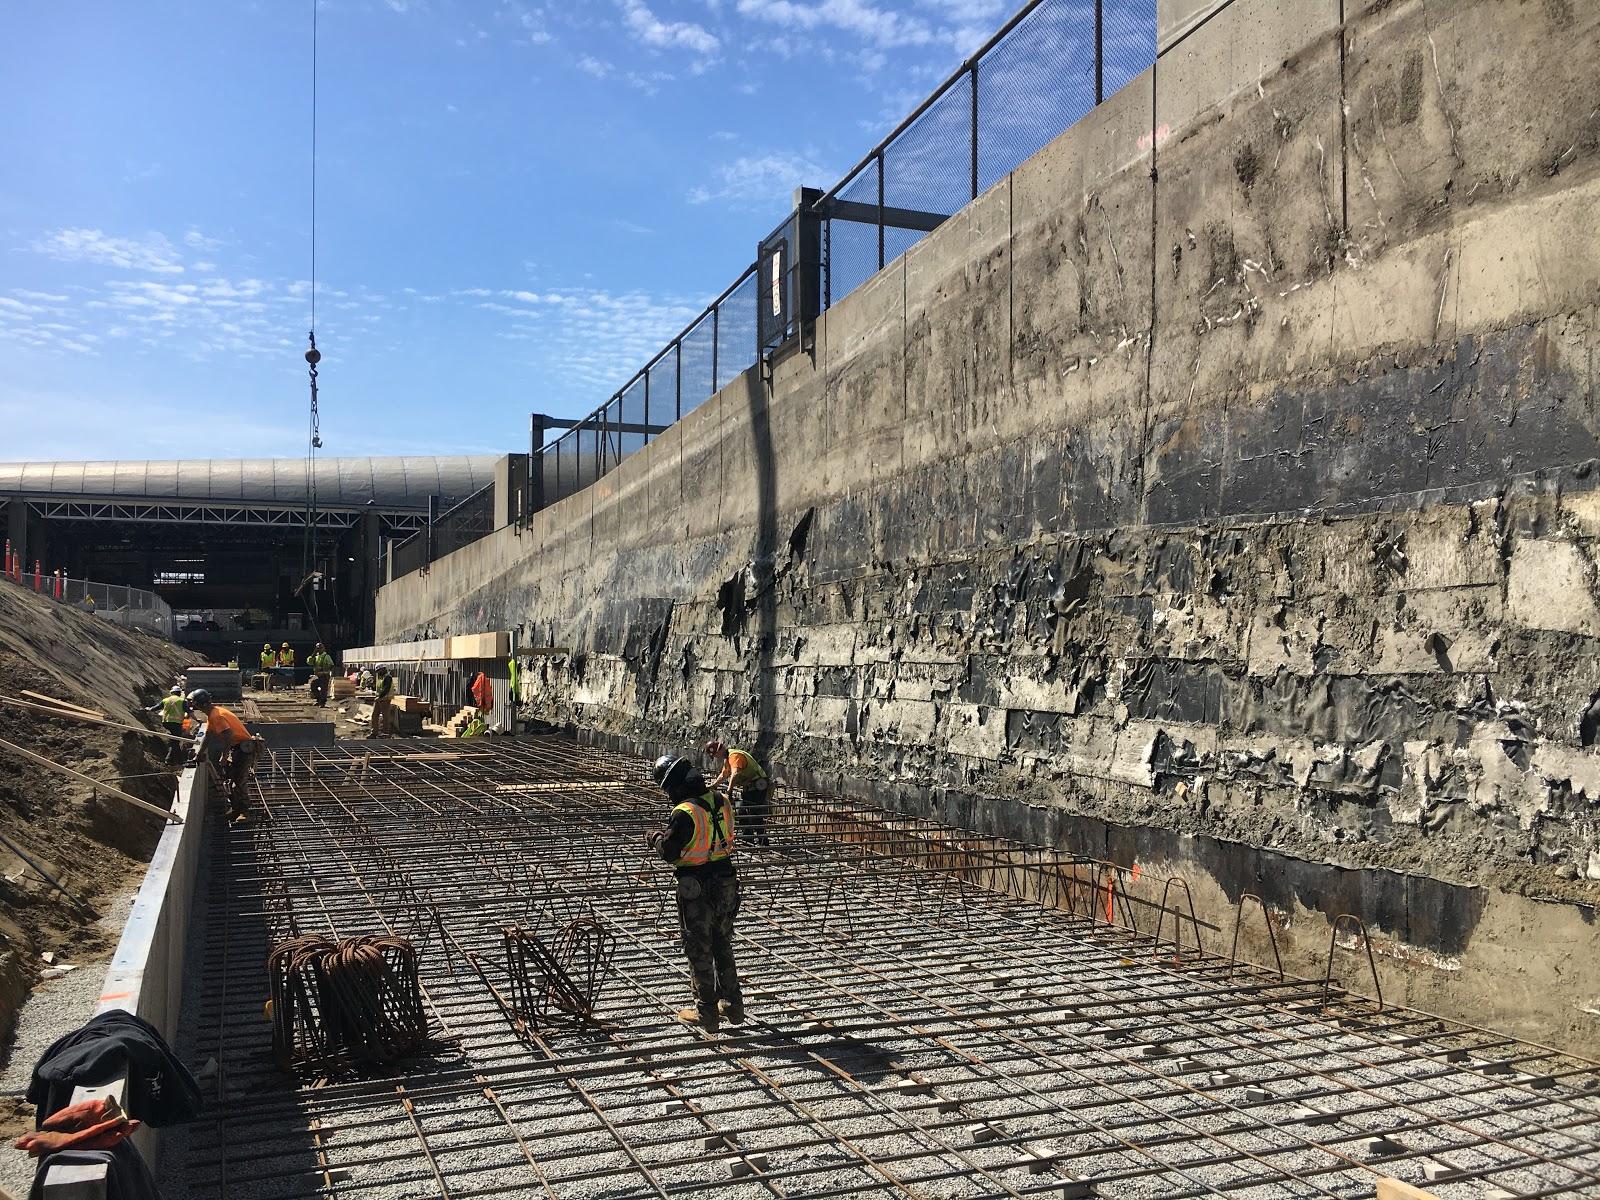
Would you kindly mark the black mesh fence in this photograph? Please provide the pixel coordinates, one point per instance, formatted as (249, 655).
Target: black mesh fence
(1049, 65)
(464, 524)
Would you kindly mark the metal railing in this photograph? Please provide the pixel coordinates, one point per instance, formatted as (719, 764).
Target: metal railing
(1041, 72)
(452, 529)
(130, 607)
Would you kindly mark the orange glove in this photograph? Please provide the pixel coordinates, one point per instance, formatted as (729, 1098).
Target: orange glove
(103, 1136)
(82, 1115)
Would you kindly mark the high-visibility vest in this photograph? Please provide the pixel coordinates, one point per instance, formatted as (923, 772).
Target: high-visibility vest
(172, 709)
(320, 663)
(753, 772)
(286, 658)
(708, 845)
(268, 659)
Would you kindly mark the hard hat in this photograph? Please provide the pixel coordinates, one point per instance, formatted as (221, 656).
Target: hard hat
(200, 698)
(286, 645)
(266, 645)
(673, 774)
(715, 748)
(176, 690)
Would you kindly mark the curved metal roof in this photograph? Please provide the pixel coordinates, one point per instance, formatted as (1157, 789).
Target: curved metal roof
(388, 483)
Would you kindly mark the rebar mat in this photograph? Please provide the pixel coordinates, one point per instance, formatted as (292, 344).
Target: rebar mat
(931, 1013)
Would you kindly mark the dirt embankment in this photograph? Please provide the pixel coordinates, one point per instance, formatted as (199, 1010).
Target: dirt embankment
(96, 848)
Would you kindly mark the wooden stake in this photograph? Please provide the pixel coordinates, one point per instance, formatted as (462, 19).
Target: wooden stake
(99, 784)
(67, 704)
(85, 718)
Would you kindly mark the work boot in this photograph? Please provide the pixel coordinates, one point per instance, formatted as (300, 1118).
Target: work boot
(733, 1010)
(706, 1018)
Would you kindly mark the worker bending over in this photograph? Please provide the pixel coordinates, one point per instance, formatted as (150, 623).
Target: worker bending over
(698, 841)
(229, 747)
(382, 702)
(321, 664)
(741, 770)
(477, 726)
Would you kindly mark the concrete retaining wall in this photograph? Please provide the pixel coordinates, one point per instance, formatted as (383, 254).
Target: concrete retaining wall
(1225, 473)
(146, 973)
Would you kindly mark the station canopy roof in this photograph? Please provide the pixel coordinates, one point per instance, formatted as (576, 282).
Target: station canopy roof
(388, 483)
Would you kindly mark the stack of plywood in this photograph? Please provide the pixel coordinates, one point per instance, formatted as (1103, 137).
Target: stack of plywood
(342, 688)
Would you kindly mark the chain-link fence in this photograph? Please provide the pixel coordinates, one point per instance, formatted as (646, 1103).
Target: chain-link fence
(130, 607)
(1047, 66)
(716, 347)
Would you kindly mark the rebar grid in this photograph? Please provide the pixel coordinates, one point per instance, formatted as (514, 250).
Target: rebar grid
(932, 1013)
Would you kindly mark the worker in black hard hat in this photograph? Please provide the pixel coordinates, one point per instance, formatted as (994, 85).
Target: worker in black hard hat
(698, 841)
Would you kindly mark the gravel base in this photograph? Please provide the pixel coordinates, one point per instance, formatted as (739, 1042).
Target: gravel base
(56, 1007)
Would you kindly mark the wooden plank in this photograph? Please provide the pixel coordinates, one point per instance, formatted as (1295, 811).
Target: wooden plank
(1394, 1189)
(85, 718)
(98, 784)
(67, 704)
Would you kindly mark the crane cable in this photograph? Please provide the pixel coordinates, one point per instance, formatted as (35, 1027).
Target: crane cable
(313, 355)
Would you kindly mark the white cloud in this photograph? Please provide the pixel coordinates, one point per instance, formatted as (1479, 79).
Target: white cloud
(590, 65)
(667, 35)
(760, 180)
(153, 252)
(880, 26)
(196, 240)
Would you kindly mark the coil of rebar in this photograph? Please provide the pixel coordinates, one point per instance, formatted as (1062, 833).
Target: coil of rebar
(345, 1002)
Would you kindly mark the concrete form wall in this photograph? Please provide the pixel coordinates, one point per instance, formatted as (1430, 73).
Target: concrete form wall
(1217, 489)
(146, 973)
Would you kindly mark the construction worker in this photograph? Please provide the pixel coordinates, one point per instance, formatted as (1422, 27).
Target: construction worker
(741, 770)
(286, 664)
(229, 747)
(698, 841)
(477, 726)
(173, 708)
(321, 664)
(382, 700)
(482, 691)
(269, 664)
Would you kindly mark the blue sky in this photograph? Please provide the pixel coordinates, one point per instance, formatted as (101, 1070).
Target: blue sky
(518, 202)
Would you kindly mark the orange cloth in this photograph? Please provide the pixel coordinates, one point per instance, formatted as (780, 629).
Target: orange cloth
(225, 727)
(483, 692)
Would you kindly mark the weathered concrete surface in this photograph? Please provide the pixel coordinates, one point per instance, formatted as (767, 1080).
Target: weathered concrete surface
(1226, 473)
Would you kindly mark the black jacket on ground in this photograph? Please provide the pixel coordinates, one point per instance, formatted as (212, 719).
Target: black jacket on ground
(160, 1089)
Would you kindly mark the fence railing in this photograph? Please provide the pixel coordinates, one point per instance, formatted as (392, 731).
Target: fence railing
(1047, 66)
(130, 607)
(452, 529)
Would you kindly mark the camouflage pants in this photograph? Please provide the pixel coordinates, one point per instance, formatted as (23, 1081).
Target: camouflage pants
(706, 909)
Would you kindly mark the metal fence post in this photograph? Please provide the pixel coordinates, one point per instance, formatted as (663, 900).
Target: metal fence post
(974, 82)
(677, 399)
(1099, 51)
(535, 488)
(880, 210)
(716, 336)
